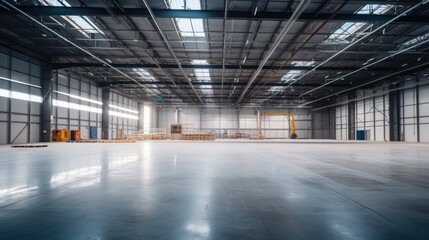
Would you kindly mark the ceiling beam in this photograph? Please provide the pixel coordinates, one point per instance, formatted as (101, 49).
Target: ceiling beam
(213, 14)
(209, 66)
(113, 83)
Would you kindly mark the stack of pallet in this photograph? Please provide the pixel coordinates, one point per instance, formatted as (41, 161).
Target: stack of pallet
(157, 136)
(104, 141)
(198, 136)
(151, 136)
(257, 136)
(176, 136)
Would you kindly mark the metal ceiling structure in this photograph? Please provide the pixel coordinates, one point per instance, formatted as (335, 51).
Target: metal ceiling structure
(230, 52)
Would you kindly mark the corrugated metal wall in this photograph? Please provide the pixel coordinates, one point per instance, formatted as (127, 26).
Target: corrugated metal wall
(20, 107)
(372, 111)
(127, 125)
(74, 119)
(68, 87)
(231, 120)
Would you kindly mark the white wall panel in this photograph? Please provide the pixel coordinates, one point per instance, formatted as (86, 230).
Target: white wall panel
(4, 133)
(35, 132)
(424, 129)
(4, 104)
(16, 129)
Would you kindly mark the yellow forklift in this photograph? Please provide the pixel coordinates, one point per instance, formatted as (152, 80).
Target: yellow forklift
(291, 117)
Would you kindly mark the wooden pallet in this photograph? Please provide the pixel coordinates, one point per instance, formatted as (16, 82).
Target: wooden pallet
(104, 141)
(198, 136)
(257, 137)
(29, 146)
(143, 137)
(176, 136)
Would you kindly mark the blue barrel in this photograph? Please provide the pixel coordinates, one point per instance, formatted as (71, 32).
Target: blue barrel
(360, 135)
(93, 132)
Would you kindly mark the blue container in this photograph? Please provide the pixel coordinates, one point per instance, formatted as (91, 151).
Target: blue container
(93, 132)
(360, 135)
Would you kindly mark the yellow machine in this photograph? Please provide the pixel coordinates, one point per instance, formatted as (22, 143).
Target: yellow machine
(60, 135)
(290, 115)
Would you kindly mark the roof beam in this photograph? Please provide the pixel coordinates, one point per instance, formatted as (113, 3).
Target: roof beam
(210, 66)
(214, 14)
(273, 84)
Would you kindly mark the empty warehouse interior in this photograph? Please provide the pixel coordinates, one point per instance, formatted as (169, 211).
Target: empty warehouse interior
(223, 119)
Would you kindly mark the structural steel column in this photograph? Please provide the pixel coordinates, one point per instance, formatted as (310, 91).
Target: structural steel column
(140, 123)
(238, 119)
(394, 116)
(332, 123)
(352, 117)
(418, 108)
(47, 92)
(105, 119)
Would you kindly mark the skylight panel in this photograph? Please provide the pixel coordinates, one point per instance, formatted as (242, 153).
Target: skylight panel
(414, 41)
(82, 24)
(377, 9)
(189, 27)
(203, 75)
(147, 76)
(295, 74)
(348, 29)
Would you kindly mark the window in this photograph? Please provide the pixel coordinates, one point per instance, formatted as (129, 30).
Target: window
(188, 27)
(76, 106)
(123, 115)
(20, 96)
(79, 97)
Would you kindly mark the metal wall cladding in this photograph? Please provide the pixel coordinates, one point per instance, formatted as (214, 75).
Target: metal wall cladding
(233, 120)
(19, 119)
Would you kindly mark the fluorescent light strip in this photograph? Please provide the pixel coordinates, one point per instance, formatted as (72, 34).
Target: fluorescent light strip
(124, 115)
(76, 106)
(123, 109)
(78, 97)
(19, 82)
(20, 96)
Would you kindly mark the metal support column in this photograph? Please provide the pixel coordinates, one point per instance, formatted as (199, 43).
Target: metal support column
(351, 118)
(201, 118)
(238, 119)
(418, 108)
(332, 123)
(47, 93)
(140, 123)
(105, 118)
(394, 116)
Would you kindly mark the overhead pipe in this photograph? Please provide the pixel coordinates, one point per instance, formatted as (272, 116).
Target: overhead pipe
(354, 43)
(364, 67)
(378, 94)
(300, 8)
(133, 26)
(424, 65)
(337, 10)
(362, 38)
(171, 50)
(75, 45)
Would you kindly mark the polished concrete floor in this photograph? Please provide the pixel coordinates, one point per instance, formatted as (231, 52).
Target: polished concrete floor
(215, 190)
